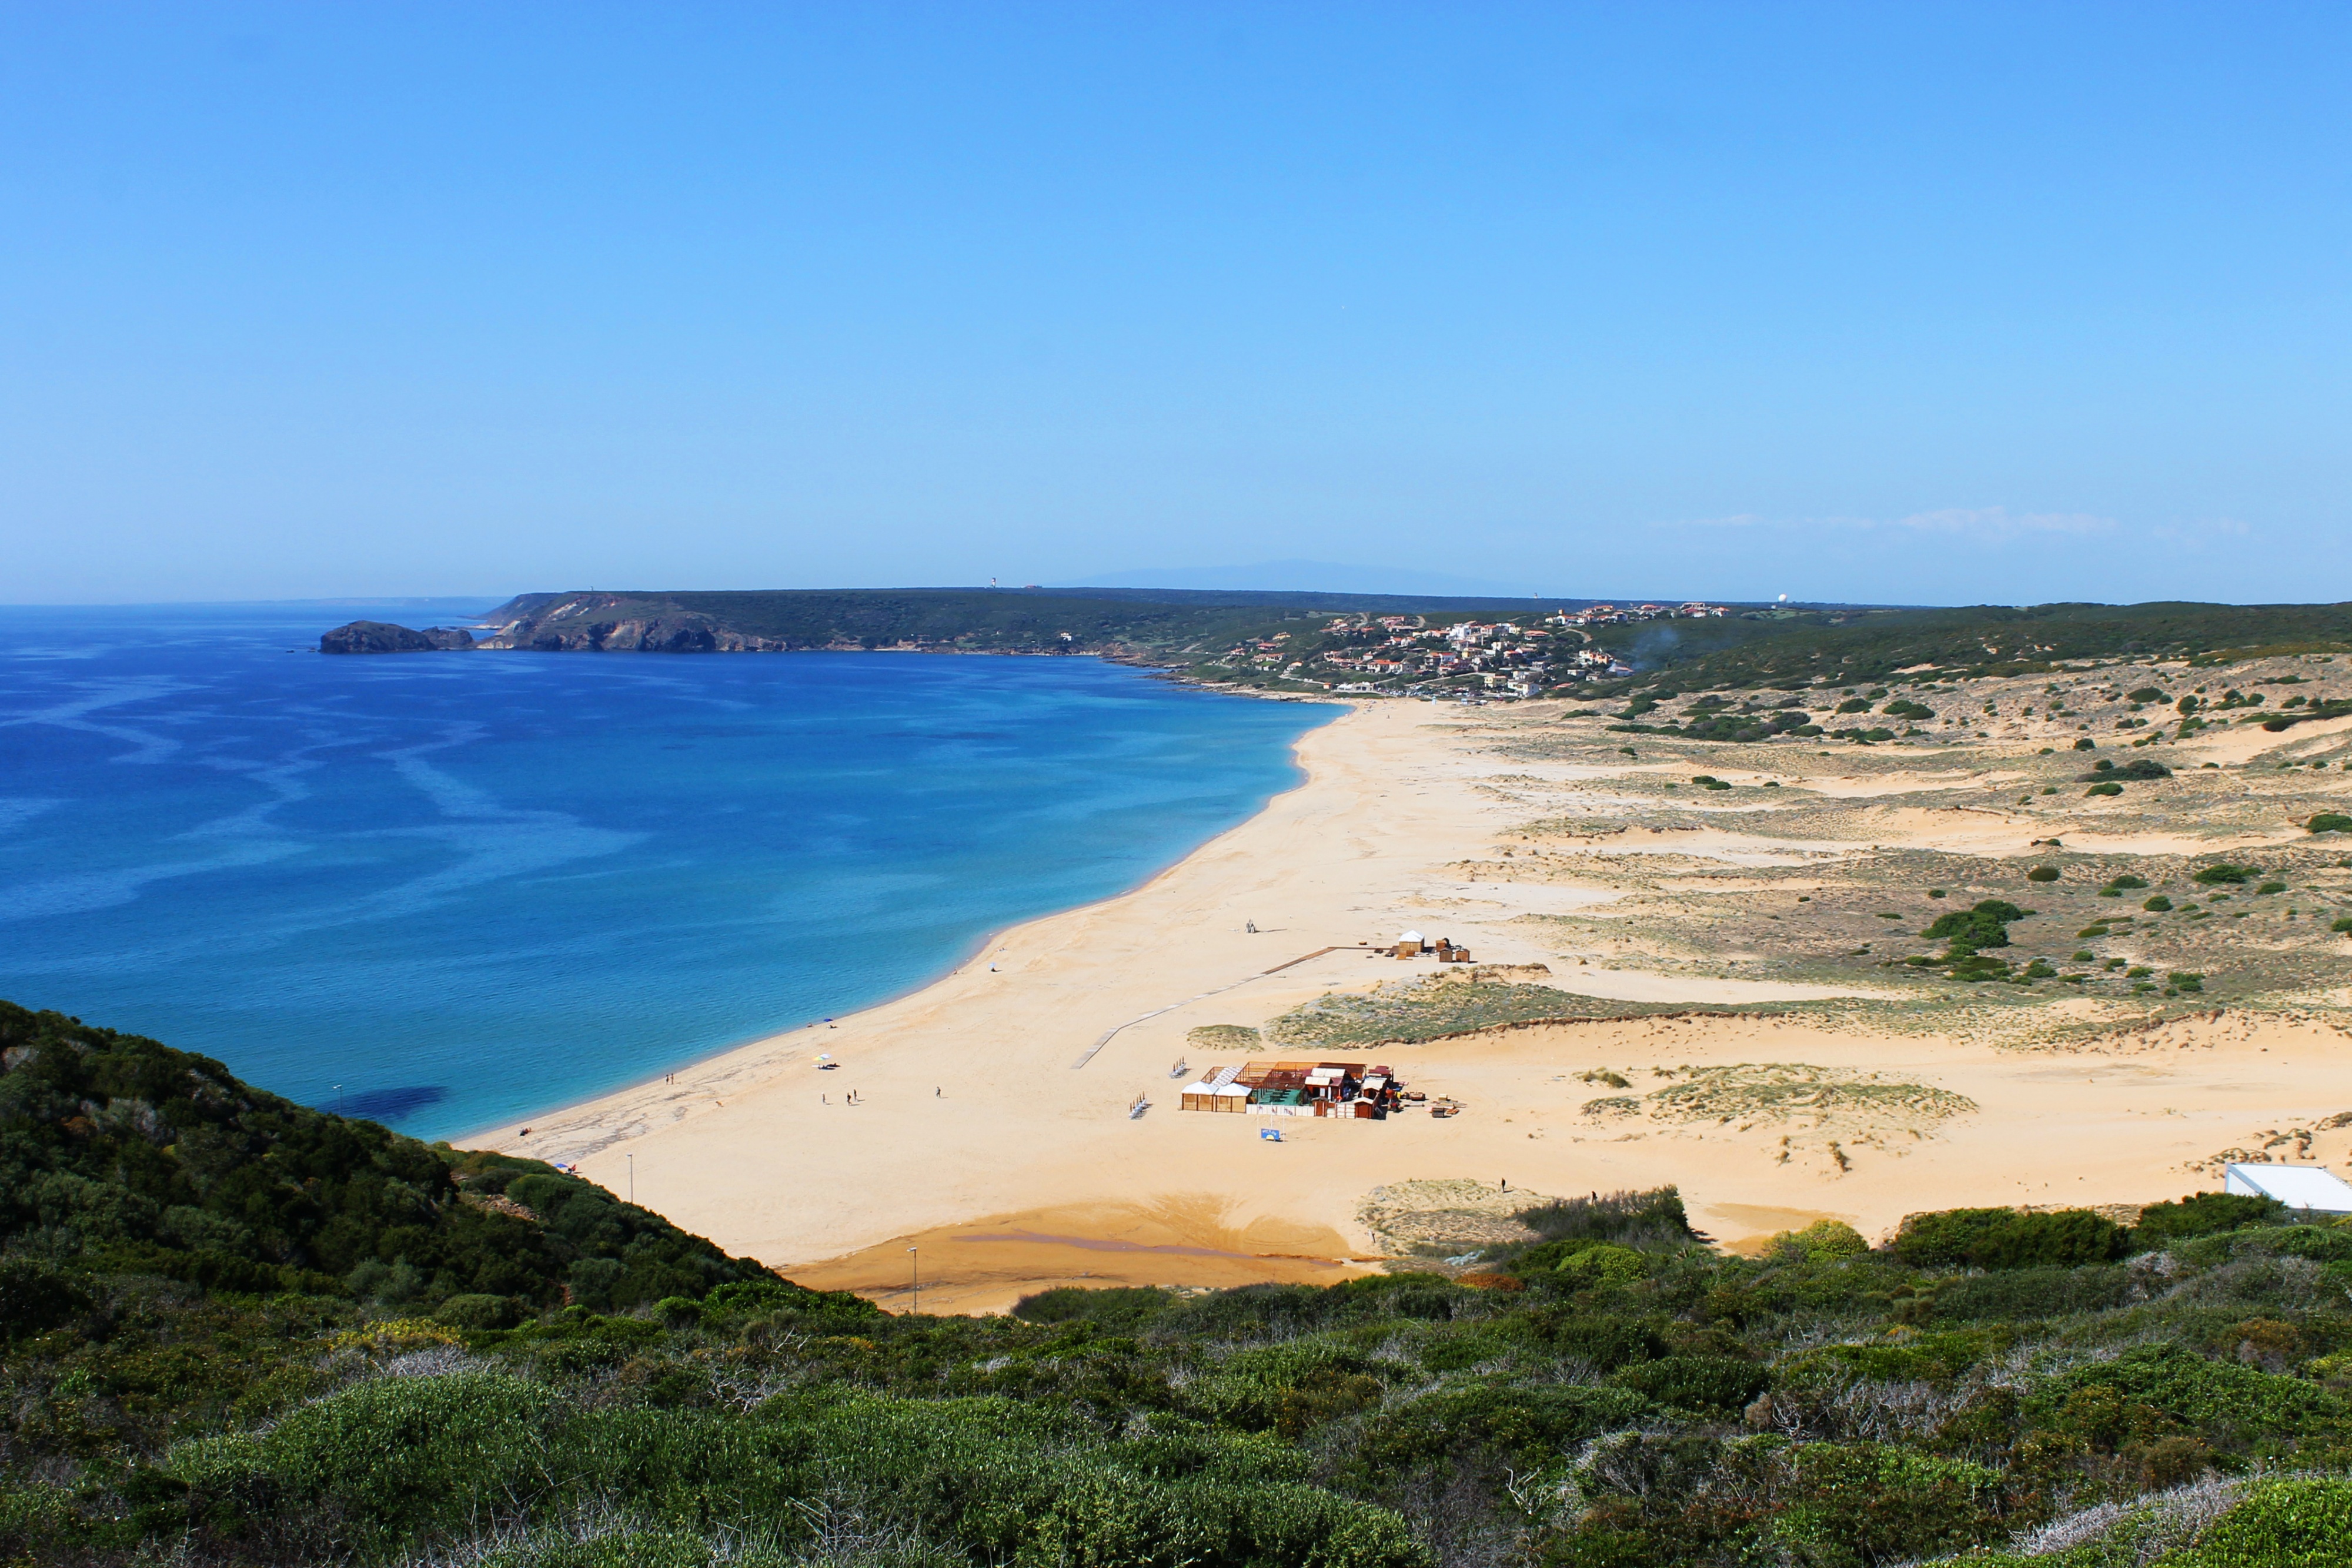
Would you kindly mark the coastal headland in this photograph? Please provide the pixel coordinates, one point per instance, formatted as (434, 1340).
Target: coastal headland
(1737, 996)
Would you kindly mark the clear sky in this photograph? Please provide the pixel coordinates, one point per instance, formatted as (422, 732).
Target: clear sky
(1898, 302)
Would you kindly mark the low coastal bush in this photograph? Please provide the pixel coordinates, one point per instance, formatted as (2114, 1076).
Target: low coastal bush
(1224, 1037)
(2010, 1239)
(2299, 1522)
(1654, 1217)
(2202, 1214)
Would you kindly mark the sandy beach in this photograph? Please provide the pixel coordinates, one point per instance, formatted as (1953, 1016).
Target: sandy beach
(959, 1120)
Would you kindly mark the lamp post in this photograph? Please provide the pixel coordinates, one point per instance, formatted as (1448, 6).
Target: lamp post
(916, 1255)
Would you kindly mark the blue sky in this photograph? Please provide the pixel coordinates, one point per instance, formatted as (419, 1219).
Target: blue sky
(1901, 303)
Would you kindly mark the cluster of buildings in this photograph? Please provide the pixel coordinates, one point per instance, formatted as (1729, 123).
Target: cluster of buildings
(1611, 615)
(1502, 658)
(1343, 1089)
(1471, 659)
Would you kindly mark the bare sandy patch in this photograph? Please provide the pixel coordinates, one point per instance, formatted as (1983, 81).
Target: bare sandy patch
(987, 1264)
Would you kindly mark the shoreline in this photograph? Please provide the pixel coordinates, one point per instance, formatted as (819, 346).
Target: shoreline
(476, 1137)
(1006, 1039)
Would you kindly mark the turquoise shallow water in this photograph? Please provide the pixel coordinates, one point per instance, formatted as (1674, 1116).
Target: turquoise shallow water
(469, 887)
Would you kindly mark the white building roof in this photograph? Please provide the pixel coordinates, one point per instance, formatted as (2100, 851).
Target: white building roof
(2298, 1187)
(1411, 937)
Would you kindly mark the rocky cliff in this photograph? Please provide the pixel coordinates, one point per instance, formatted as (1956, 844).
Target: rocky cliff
(383, 637)
(618, 622)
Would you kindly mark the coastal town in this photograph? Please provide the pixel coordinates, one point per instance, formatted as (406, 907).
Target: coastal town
(1424, 655)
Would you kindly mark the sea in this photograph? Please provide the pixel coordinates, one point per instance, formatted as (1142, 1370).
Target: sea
(446, 891)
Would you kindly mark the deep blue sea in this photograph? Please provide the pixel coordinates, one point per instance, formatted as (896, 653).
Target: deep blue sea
(469, 887)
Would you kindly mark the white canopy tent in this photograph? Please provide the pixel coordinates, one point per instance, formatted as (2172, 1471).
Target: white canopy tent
(2308, 1187)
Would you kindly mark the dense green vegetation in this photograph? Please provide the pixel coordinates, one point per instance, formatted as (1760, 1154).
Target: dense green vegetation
(1614, 1393)
(1433, 1008)
(122, 1155)
(1791, 650)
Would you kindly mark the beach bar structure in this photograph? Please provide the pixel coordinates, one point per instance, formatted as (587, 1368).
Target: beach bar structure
(1414, 945)
(2310, 1188)
(1343, 1089)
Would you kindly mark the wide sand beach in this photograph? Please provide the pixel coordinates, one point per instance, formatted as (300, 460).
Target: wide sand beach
(985, 1120)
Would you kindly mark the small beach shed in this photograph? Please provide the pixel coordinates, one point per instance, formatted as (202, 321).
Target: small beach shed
(1217, 1091)
(2311, 1188)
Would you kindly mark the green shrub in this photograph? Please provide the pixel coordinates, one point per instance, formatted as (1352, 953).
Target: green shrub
(2158, 905)
(2237, 1406)
(1984, 925)
(2225, 875)
(1604, 1265)
(2271, 887)
(2185, 981)
(1532, 1424)
(479, 1311)
(751, 1297)
(1849, 1505)
(1716, 1383)
(2086, 743)
(383, 1461)
(2147, 695)
(2126, 883)
(2329, 822)
(2109, 788)
(1822, 1242)
(2305, 1523)
(36, 1297)
(2043, 873)
(2202, 1214)
(2009, 1239)
(1636, 1218)
(1120, 1309)
(2022, 1294)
